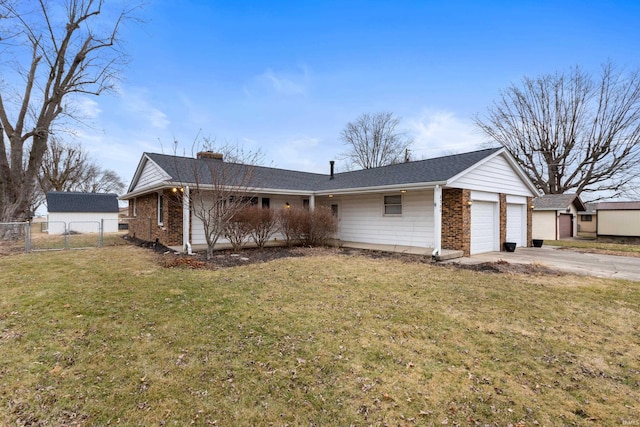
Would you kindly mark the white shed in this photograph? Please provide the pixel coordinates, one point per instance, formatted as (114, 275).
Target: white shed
(82, 212)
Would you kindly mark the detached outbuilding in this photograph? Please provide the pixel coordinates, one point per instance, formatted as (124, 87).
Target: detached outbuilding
(554, 216)
(620, 219)
(82, 212)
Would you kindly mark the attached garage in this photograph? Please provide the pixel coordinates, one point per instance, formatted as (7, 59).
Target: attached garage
(484, 227)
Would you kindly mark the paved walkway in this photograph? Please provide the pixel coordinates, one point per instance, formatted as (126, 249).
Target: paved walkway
(611, 266)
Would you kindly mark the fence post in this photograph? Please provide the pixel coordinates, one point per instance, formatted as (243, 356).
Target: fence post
(100, 232)
(27, 237)
(67, 230)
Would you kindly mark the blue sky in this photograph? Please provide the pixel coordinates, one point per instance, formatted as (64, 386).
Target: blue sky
(286, 76)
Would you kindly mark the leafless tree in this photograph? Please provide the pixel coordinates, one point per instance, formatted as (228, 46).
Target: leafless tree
(572, 132)
(56, 51)
(218, 189)
(67, 167)
(374, 140)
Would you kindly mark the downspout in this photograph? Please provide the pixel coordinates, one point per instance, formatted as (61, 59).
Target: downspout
(186, 221)
(437, 221)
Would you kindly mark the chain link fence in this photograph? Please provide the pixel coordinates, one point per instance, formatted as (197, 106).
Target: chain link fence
(59, 235)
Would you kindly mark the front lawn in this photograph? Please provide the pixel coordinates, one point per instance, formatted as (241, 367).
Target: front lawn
(110, 337)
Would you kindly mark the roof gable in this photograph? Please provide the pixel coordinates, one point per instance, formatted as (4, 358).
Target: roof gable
(82, 202)
(557, 202)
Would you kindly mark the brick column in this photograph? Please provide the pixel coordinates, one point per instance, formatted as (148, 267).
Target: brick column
(503, 220)
(456, 220)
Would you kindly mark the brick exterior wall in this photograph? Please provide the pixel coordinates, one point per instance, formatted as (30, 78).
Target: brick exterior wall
(503, 220)
(456, 220)
(145, 223)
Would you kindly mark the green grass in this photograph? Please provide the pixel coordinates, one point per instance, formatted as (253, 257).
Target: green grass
(592, 245)
(108, 337)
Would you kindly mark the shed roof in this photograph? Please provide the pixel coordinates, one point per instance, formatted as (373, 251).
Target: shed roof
(556, 202)
(63, 201)
(613, 206)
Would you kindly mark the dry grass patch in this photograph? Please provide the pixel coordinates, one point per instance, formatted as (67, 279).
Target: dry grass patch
(108, 336)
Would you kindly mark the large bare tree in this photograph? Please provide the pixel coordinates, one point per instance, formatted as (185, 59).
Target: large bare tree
(375, 140)
(51, 51)
(67, 167)
(572, 132)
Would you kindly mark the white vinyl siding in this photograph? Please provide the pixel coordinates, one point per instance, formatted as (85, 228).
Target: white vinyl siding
(484, 227)
(493, 176)
(362, 220)
(82, 222)
(151, 175)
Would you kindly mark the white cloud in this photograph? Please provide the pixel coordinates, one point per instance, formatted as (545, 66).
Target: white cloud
(281, 83)
(142, 110)
(87, 107)
(302, 153)
(441, 132)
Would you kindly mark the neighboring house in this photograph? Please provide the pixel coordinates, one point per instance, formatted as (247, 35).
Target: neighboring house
(554, 216)
(82, 212)
(471, 202)
(618, 219)
(588, 221)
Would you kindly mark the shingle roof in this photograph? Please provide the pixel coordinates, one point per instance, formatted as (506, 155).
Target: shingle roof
(557, 202)
(81, 202)
(612, 206)
(438, 169)
(182, 169)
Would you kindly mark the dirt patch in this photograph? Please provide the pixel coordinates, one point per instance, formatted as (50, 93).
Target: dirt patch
(502, 266)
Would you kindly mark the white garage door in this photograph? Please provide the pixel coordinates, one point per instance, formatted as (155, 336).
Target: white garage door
(515, 224)
(484, 236)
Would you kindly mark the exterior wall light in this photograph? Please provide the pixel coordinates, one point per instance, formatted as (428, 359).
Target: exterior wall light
(331, 196)
(469, 203)
(403, 191)
(287, 205)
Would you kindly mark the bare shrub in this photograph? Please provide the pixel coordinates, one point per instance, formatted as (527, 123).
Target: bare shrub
(311, 228)
(263, 223)
(322, 224)
(238, 228)
(292, 224)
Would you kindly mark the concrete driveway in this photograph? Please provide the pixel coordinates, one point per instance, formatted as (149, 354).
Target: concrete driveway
(610, 266)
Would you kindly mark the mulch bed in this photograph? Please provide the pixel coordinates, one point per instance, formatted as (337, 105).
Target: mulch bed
(228, 258)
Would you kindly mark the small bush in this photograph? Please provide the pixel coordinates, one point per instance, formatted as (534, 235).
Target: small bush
(311, 228)
(238, 228)
(322, 225)
(263, 223)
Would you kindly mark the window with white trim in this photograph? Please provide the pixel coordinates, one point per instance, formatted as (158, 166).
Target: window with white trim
(160, 209)
(393, 205)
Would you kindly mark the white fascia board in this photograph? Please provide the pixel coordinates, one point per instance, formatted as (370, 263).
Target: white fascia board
(141, 164)
(380, 189)
(146, 190)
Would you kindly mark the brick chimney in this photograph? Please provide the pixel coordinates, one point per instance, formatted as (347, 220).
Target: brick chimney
(209, 155)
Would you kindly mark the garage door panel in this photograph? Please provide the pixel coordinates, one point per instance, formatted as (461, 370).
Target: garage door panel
(515, 224)
(483, 227)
